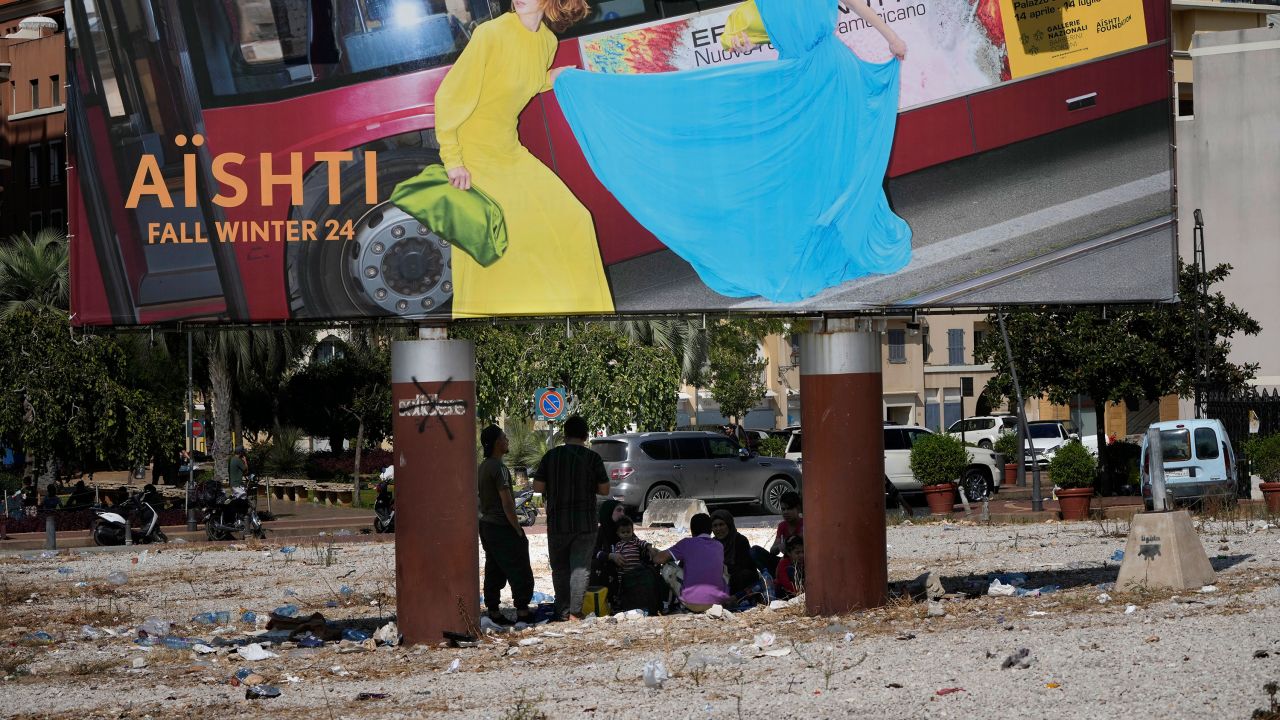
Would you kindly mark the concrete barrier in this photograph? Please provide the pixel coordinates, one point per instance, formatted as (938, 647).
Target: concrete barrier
(673, 513)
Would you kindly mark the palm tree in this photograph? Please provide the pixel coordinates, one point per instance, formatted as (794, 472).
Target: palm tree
(262, 356)
(687, 340)
(33, 273)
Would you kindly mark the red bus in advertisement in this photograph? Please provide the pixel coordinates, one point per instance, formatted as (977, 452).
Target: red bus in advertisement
(310, 111)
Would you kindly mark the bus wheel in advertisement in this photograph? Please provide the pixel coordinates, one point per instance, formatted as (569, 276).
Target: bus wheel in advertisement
(368, 260)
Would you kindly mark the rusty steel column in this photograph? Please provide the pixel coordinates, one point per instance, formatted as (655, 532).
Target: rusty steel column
(846, 565)
(437, 546)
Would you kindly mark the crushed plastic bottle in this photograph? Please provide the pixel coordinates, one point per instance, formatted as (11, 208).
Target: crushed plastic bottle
(223, 617)
(249, 617)
(453, 666)
(48, 554)
(64, 570)
(154, 626)
(119, 577)
(177, 643)
(38, 636)
(288, 550)
(345, 591)
(286, 610)
(205, 618)
(261, 692)
(310, 641)
(655, 673)
(89, 632)
(1117, 556)
(539, 598)
(354, 635)
(145, 641)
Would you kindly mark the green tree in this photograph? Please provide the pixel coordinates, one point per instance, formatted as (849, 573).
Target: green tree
(33, 272)
(736, 367)
(1121, 355)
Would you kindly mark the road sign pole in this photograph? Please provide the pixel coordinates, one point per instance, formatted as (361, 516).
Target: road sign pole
(191, 445)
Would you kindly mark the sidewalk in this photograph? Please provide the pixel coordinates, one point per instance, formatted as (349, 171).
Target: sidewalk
(292, 519)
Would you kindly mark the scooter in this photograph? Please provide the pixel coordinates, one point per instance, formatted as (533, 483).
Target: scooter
(229, 516)
(525, 511)
(109, 527)
(384, 510)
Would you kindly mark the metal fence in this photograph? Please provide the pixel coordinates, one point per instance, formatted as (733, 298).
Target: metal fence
(1254, 412)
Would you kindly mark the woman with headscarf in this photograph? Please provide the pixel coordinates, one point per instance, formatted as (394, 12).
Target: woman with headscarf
(744, 579)
(603, 572)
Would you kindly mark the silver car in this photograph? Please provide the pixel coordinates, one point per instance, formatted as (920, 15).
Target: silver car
(644, 467)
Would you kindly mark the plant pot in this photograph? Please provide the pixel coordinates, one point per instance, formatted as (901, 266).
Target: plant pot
(941, 498)
(1271, 494)
(1074, 503)
(1011, 474)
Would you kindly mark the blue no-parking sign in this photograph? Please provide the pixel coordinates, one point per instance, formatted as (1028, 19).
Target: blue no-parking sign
(550, 403)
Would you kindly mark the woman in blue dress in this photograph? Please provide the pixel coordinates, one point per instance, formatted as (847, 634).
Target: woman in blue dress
(766, 177)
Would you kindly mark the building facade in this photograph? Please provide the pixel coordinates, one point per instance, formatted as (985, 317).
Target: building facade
(33, 127)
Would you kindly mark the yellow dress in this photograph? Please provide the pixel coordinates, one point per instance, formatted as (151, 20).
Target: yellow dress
(552, 265)
(746, 18)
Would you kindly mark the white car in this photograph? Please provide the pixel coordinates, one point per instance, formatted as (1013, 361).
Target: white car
(1049, 435)
(978, 480)
(983, 430)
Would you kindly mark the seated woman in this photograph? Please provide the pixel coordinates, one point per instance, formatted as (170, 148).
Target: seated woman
(744, 579)
(701, 584)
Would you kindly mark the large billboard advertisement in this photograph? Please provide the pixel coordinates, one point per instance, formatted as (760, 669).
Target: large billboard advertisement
(271, 160)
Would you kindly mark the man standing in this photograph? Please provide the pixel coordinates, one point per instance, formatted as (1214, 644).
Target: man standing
(570, 477)
(237, 466)
(506, 548)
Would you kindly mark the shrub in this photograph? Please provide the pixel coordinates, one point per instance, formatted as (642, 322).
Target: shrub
(1007, 446)
(772, 446)
(328, 465)
(1072, 466)
(1264, 457)
(282, 458)
(938, 459)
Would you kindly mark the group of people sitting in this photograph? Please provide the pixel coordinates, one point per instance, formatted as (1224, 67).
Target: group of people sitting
(81, 497)
(715, 565)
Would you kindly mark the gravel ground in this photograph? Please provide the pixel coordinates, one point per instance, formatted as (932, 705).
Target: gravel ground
(1193, 654)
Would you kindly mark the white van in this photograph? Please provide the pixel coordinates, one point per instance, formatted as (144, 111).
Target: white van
(1199, 461)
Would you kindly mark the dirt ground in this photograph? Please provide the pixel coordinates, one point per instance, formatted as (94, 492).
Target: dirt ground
(1090, 651)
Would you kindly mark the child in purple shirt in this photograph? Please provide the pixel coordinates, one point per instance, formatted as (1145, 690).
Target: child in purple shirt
(702, 559)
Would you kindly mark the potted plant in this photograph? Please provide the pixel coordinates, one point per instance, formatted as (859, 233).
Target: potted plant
(1073, 470)
(936, 462)
(1007, 446)
(1264, 461)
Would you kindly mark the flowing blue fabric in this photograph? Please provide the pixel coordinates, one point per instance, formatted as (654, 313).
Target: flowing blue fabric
(766, 177)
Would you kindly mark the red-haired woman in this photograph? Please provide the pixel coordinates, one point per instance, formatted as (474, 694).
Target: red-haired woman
(552, 264)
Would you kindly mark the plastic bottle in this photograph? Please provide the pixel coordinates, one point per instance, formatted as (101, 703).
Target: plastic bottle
(38, 636)
(205, 618)
(286, 610)
(223, 617)
(261, 692)
(249, 617)
(354, 635)
(118, 578)
(344, 591)
(154, 626)
(65, 570)
(89, 632)
(176, 643)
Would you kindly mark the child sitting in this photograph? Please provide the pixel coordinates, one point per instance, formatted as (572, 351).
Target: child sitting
(790, 580)
(792, 525)
(637, 586)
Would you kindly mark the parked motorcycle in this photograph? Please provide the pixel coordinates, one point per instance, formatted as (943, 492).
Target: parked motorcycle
(384, 510)
(526, 513)
(229, 516)
(109, 526)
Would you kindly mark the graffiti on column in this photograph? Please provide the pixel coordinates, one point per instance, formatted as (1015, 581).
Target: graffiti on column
(427, 405)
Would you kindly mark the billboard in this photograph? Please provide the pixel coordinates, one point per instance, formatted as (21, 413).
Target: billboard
(260, 160)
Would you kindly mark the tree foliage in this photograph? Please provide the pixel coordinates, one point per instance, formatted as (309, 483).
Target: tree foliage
(736, 367)
(1125, 354)
(33, 273)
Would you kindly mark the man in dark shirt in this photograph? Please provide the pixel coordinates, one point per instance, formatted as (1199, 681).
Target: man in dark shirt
(570, 477)
(237, 467)
(506, 548)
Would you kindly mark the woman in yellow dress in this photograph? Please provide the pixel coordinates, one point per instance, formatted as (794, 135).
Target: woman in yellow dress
(552, 265)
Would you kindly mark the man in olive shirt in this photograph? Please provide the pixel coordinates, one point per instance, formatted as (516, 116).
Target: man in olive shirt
(570, 477)
(236, 469)
(506, 548)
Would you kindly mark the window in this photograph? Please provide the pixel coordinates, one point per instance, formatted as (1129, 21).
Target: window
(924, 342)
(723, 448)
(33, 165)
(657, 449)
(913, 436)
(34, 223)
(35, 94)
(328, 349)
(1206, 444)
(984, 424)
(56, 162)
(897, 346)
(955, 347)
(55, 87)
(610, 450)
(895, 440)
(1175, 445)
(796, 445)
(688, 448)
(979, 335)
(13, 98)
(57, 221)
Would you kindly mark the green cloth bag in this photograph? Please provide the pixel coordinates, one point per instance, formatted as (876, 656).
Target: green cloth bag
(468, 219)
